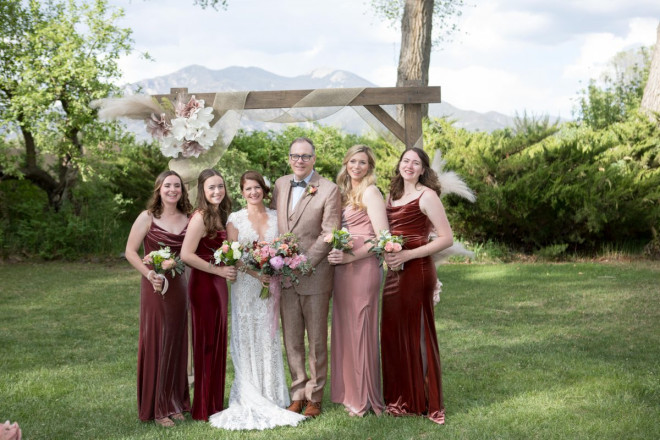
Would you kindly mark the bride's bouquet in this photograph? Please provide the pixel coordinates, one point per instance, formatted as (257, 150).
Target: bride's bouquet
(386, 242)
(163, 261)
(340, 239)
(228, 253)
(281, 259)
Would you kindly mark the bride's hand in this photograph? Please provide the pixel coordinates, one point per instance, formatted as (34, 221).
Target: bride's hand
(265, 279)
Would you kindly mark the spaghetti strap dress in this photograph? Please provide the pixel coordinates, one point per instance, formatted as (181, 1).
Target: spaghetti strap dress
(412, 379)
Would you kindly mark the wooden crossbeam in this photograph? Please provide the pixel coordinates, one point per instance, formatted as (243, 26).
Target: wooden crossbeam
(372, 99)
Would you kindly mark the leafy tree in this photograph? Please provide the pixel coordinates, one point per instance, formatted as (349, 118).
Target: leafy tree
(423, 23)
(55, 57)
(619, 92)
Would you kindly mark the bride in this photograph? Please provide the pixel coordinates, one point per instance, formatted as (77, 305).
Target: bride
(259, 394)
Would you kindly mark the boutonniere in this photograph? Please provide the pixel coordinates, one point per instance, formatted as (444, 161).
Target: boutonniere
(311, 190)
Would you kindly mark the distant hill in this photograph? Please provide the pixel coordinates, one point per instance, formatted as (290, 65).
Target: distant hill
(200, 79)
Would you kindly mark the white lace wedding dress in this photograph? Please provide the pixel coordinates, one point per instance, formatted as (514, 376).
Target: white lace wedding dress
(259, 395)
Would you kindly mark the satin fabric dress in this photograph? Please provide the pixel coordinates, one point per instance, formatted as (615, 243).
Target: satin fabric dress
(208, 303)
(412, 380)
(162, 381)
(355, 358)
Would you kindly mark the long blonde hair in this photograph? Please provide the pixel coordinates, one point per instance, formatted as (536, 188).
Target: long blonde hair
(353, 196)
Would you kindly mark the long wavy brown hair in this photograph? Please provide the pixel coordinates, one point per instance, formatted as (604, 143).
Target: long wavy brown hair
(155, 204)
(353, 196)
(428, 178)
(257, 177)
(215, 219)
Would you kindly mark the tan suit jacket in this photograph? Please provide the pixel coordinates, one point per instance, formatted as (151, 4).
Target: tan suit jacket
(315, 216)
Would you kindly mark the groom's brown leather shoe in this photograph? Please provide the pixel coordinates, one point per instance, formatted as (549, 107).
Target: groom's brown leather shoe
(313, 409)
(296, 406)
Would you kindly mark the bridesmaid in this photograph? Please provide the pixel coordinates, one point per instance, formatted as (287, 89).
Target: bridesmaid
(412, 382)
(162, 382)
(208, 292)
(355, 358)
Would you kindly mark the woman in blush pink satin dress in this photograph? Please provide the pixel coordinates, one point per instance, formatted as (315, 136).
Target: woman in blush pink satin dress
(355, 353)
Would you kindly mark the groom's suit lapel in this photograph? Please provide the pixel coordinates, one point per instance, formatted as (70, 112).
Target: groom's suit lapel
(294, 216)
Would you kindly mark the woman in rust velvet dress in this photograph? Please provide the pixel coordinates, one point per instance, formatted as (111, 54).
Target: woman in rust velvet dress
(208, 293)
(355, 378)
(162, 382)
(412, 381)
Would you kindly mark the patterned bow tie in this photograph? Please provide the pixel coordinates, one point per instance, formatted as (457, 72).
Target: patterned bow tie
(301, 184)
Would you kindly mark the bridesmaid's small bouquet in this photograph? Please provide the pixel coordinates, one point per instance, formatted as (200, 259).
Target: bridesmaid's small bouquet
(163, 261)
(228, 253)
(340, 239)
(280, 259)
(386, 242)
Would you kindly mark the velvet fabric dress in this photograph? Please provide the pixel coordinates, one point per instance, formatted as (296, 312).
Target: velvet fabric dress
(355, 358)
(162, 381)
(208, 304)
(412, 381)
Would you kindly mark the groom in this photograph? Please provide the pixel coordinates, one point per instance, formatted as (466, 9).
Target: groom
(309, 206)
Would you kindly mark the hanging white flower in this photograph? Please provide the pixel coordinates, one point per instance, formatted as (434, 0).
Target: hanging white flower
(188, 132)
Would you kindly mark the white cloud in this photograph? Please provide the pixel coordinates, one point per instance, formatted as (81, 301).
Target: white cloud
(597, 50)
(483, 89)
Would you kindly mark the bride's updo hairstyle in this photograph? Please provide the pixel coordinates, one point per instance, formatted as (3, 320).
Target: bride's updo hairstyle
(428, 178)
(215, 219)
(155, 204)
(253, 175)
(353, 196)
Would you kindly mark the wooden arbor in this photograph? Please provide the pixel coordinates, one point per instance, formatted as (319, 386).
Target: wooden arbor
(412, 98)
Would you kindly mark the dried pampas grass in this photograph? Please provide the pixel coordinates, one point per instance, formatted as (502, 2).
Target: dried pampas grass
(132, 107)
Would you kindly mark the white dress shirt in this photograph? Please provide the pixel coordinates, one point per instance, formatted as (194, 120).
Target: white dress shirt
(298, 191)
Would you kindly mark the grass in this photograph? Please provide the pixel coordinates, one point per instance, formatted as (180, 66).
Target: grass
(529, 351)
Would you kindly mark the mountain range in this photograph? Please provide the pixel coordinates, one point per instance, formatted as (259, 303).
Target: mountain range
(201, 79)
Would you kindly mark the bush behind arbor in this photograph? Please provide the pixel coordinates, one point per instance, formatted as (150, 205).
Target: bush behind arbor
(541, 187)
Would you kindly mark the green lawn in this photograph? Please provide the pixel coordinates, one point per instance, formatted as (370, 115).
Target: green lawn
(529, 351)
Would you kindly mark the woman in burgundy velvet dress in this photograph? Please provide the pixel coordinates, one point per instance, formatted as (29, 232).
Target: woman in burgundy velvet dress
(208, 293)
(162, 382)
(355, 362)
(412, 381)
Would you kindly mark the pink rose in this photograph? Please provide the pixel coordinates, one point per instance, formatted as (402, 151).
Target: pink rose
(349, 244)
(295, 262)
(168, 264)
(147, 260)
(224, 248)
(397, 247)
(389, 246)
(272, 252)
(328, 238)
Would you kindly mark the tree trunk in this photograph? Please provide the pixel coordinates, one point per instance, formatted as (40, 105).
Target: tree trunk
(651, 97)
(416, 41)
(56, 190)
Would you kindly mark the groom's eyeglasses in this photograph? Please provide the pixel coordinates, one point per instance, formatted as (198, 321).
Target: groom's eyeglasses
(304, 157)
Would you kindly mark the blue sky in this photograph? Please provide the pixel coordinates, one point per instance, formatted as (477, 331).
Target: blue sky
(509, 56)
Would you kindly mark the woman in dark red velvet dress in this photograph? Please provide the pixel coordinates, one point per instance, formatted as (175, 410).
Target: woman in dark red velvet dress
(208, 293)
(412, 382)
(162, 382)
